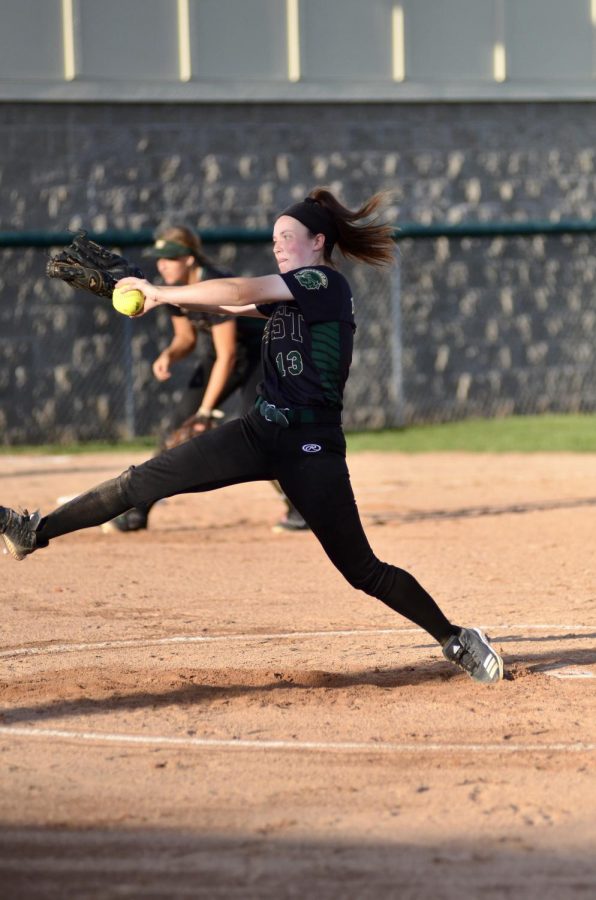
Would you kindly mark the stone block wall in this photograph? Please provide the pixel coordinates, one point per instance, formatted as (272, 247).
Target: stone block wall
(467, 327)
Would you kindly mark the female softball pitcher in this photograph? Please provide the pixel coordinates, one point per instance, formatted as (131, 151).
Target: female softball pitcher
(293, 434)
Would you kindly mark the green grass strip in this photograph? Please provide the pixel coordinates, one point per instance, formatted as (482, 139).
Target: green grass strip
(515, 434)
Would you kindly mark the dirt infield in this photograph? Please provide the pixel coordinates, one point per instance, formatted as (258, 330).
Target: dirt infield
(207, 709)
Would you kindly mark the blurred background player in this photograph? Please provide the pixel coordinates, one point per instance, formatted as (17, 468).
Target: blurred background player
(229, 359)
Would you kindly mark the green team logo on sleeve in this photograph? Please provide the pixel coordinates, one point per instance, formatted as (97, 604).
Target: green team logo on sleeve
(311, 279)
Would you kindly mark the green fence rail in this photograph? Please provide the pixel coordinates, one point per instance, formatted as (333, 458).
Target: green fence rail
(143, 237)
(441, 336)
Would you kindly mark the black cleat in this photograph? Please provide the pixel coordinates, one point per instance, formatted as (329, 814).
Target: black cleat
(18, 531)
(471, 651)
(292, 522)
(131, 520)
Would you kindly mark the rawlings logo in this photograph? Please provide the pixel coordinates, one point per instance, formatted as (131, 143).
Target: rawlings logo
(311, 279)
(311, 448)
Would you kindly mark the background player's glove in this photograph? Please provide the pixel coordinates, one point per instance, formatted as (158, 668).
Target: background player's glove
(91, 267)
(192, 426)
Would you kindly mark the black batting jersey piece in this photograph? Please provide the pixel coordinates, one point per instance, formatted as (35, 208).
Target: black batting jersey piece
(307, 345)
(203, 321)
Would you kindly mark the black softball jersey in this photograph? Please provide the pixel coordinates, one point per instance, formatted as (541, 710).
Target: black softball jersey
(307, 344)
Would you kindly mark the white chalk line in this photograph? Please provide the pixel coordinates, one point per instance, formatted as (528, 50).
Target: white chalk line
(194, 639)
(556, 670)
(331, 746)
(247, 637)
(570, 676)
(236, 744)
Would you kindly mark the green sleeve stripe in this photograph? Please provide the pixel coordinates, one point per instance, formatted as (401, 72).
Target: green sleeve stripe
(329, 328)
(326, 356)
(326, 347)
(325, 360)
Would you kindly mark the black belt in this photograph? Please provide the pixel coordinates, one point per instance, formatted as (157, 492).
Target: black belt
(284, 416)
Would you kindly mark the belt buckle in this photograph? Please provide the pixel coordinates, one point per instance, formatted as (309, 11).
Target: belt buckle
(281, 417)
(275, 415)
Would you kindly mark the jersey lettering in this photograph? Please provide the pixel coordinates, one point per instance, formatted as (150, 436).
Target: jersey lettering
(278, 328)
(296, 320)
(284, 320)
(291, 365)
(295, 364)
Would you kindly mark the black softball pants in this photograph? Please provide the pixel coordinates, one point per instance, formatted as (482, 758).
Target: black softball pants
(309, 463)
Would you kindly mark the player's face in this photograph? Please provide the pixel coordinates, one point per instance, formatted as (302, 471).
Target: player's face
(294, 246)
(175, 271)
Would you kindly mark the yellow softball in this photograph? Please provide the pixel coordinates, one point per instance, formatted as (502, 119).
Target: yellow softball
(129, 303)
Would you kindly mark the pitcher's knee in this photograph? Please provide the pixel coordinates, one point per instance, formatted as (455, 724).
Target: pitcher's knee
(123, 485)
(379, 579)
(367, 577)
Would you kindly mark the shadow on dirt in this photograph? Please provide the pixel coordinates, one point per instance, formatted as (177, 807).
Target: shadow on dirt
(471, 512)
(115, 691)
(57, 862)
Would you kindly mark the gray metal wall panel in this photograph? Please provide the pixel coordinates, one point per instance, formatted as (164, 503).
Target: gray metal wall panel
(449, 39)
(30, 39)
(549, 41)
(127, 39)
(345, 39)
(232, 40)
(132, 50)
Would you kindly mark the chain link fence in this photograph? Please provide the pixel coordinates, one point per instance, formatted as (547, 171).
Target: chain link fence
(462, 326)
(71, 369)
(499, 325)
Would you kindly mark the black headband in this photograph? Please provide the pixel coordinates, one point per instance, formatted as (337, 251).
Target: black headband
(316, 218)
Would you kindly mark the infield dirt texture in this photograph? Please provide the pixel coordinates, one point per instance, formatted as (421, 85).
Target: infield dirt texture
(208, 710)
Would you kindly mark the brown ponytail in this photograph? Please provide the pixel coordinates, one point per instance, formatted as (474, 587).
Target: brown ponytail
(370, 243)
